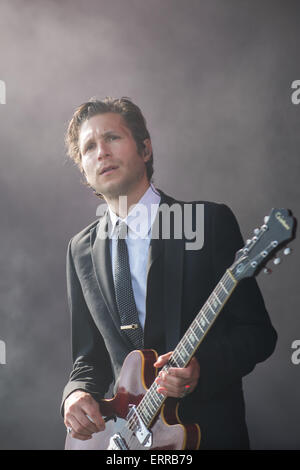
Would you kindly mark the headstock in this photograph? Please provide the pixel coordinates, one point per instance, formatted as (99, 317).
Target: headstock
(278, 229)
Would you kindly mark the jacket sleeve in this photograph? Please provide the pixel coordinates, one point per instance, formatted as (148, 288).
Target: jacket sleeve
(248, 337)
(91, 363)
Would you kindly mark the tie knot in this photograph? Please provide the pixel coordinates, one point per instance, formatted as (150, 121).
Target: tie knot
(122, 228)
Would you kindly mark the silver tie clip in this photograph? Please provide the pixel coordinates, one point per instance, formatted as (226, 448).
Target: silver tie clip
(129, 327)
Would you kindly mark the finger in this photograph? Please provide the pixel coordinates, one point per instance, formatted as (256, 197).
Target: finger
(190, 372)
(82, 437)
(165, 380)
(175, 384)
(182, 373)
(174, 392)
(163, 359)
(87, 423)
(82, 424)
(178, 391)
(94, 416)
(77, 427)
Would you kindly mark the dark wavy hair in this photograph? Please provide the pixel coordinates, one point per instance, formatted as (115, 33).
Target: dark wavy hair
(124, 106)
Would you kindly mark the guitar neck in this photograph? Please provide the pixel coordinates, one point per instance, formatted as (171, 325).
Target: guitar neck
(190, 342)
(186, 348)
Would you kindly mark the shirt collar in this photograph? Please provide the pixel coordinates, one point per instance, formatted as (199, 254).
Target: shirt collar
(141, 217)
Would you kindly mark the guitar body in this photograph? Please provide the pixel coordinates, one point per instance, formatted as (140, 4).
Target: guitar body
(137, 375)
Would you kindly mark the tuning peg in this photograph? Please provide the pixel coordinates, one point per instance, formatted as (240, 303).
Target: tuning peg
(267, 271)
(277, 261)
(256, 231)
(287, 251)
(266, 219)
(248, 241)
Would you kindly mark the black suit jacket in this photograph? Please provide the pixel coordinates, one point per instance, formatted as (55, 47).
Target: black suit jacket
(179, 282)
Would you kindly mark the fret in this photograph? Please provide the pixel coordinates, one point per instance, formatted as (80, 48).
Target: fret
(220, 295)
(209, 316)
(184, 352)
(190, 344)
(183, 346)
(187, 345)
(194, 328)
(147, 410)
(203, 322)
(215, 304)
(156, 396)
(191, 339)
(152, 401)
(159, 397)
(229, 273)
(209, 304)
(205, 318)
(223, 287)
(180, 364)
(198, 325)
(145, 415)
(217, 298)
(144, 412)
(172, 361)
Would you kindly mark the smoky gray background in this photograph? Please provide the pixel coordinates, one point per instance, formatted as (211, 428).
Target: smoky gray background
(213, 79)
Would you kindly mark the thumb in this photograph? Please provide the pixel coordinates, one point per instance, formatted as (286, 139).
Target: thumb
(163, 359)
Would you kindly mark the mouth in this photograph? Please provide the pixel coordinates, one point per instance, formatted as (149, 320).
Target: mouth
(108, 170)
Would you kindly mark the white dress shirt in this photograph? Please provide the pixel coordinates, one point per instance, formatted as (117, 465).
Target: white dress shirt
(139, 222)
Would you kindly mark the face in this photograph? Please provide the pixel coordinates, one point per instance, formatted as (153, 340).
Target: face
(110, 158)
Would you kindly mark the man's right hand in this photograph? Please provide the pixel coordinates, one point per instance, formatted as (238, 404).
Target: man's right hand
(77, 407)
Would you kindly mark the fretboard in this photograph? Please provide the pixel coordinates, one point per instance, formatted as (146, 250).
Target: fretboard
(186, 348)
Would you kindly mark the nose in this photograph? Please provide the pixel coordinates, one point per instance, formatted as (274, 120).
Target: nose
(102, 150)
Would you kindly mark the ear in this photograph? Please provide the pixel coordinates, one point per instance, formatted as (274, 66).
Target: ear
(147, 150)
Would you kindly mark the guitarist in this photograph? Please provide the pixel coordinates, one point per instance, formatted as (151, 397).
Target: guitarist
(111, 145)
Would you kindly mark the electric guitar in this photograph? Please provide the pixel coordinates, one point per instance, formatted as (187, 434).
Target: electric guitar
(140, 418)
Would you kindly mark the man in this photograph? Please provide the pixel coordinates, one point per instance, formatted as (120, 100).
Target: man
(111, 145)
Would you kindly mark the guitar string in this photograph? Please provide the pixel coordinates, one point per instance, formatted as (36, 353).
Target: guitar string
(205, 313)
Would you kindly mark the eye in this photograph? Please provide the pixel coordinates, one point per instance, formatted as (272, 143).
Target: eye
(89, 147)
(112, 137)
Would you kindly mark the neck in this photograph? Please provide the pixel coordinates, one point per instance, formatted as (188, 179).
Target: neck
(123, 203)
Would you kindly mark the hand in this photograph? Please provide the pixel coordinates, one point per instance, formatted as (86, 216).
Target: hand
(82, 415)
(177, 382)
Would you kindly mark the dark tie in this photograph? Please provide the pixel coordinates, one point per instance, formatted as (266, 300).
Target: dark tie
(130, 323)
